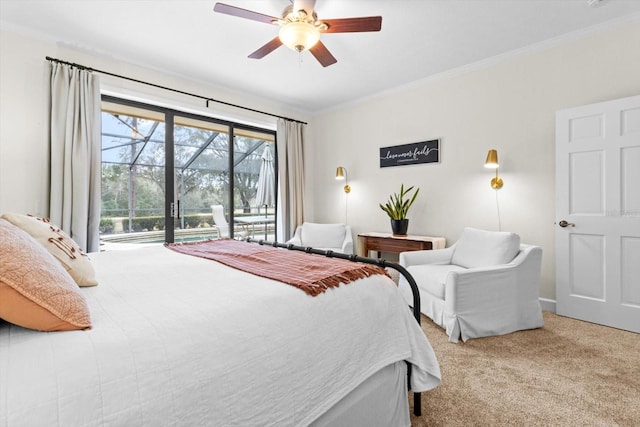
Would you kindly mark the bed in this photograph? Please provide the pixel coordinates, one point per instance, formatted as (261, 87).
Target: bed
(181, 340)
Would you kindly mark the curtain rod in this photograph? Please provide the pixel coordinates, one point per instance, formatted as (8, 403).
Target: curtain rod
(207, 99)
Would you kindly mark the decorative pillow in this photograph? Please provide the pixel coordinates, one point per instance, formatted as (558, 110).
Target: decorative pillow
(35, 290)
(59, 244)
(322, 235)
(480, 248)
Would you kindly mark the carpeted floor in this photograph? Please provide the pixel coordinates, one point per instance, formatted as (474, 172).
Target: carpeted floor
(568, 373)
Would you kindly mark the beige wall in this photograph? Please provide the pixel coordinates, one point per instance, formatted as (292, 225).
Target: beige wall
(509, 105)
(23, 110)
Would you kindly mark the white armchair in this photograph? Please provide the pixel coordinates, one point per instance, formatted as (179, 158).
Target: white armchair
(334, 237)
(486, 284)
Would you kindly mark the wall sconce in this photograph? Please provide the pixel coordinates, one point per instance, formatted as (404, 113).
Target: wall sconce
(341, 173)
(492, 163)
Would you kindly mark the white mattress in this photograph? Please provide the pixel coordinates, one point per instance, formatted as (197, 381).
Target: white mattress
(179, 340)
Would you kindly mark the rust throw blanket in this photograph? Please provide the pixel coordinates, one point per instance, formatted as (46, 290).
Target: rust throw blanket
(313, 274)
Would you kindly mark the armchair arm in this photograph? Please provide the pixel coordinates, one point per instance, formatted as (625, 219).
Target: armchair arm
(347, 245)
(438, 256)
(518, 278)
(477, 289)
(296, 239)
(492, 295)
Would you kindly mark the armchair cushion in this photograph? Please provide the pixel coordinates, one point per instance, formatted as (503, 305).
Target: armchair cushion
(480, 248)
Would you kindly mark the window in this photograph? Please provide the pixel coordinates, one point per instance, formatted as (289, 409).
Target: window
(163, 169)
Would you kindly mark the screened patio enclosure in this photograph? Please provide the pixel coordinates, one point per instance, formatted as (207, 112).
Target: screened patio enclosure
(163, 170)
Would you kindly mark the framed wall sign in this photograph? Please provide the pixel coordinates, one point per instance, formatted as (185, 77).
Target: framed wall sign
(410, 154)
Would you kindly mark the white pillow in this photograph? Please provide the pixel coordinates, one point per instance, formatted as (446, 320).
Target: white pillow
(480, 248)
(59, 244)
(322, 235)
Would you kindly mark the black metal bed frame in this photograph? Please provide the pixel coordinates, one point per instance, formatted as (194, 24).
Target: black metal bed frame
(417, 397)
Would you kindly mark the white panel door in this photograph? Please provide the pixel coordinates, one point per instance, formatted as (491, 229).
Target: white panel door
(598, 213)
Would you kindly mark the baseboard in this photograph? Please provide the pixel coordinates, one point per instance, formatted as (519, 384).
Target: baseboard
(548, 304)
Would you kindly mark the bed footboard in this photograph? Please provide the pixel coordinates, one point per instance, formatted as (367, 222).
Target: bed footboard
(417, 398)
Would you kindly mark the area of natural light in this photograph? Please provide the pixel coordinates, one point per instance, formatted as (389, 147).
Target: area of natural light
(163, 171)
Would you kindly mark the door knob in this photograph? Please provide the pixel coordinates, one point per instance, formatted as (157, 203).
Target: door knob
(564, 223)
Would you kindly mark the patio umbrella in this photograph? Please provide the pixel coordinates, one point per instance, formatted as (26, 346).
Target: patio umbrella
(266, 194)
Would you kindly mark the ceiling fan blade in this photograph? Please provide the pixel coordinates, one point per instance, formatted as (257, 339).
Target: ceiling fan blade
(266, 49)
(353, 25)
(322, 54)
(244, 13)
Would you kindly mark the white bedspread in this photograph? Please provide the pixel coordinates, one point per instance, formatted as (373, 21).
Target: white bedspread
(179, 340)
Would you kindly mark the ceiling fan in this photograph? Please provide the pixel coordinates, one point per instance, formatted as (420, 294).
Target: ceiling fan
(300, 28)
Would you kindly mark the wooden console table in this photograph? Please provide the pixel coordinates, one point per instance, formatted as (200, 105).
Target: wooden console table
(387, 242)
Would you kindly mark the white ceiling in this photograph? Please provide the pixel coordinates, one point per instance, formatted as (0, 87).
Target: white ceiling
(419, 39)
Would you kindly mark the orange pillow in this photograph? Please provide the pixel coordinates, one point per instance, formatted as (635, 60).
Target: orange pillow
(59, 244)
(35, 290)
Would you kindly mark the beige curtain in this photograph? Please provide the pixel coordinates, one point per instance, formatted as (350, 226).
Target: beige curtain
(74, 134)
(290, 178)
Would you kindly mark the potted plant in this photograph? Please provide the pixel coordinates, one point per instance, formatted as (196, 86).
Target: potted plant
(397, 207)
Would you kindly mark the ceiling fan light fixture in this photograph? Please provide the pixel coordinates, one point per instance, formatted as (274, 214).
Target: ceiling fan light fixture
(299, 35)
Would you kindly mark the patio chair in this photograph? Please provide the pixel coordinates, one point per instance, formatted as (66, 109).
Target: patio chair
(220, 223)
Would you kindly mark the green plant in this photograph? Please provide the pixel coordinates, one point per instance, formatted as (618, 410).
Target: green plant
(399, 204)
(106, 226)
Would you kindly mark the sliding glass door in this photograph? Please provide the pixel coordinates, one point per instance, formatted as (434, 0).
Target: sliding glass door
(164, 170)
(201, 178)
(133, 171)
(254, 183)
